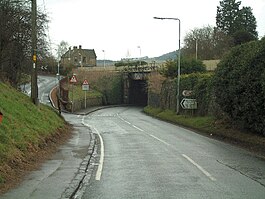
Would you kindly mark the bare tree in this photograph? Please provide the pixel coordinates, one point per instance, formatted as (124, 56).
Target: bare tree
(15, 38)
(62, 49)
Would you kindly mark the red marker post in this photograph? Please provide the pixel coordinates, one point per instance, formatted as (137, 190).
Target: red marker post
(1, 117)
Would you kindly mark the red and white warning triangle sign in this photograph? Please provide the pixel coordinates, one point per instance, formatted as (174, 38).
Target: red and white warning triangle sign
(73, 79)
(85, 82)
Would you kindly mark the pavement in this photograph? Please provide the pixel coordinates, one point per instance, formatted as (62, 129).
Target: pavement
(62, 175)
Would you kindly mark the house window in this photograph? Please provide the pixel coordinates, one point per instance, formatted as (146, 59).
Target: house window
(75, 59)
(84, 60)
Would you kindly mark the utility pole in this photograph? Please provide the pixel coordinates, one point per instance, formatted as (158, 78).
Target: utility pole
(34, 84)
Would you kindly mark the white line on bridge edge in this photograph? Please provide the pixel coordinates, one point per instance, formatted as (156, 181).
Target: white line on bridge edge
(199, 167)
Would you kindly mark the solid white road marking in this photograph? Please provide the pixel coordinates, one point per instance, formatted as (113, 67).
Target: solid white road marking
(101, 160)
(199, 167)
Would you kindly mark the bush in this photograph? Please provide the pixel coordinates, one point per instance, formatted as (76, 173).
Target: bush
(199, 83)
(201, 86)
(111, 86)
(239, 85)
(187, 66)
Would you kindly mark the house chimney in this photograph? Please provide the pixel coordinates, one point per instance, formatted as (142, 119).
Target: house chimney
(75, 47)
(80, 47)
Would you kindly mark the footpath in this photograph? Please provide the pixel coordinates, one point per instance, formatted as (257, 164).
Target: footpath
(61, 176)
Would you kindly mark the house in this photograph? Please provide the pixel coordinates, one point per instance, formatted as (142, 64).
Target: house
(79, 57)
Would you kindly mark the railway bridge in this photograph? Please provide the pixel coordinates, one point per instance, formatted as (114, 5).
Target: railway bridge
(135, 84)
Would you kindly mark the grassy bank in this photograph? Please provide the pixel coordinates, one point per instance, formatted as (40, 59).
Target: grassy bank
(25, 128)
(79, 94)
(211, 127)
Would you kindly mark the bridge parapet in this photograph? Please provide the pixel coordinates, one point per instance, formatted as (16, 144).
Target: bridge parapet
(144, 68)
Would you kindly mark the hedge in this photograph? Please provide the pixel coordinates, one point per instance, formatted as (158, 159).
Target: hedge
(239, 85)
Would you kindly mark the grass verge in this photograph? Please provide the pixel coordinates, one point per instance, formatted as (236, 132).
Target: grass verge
(211, 127)
(25, 130)
(78, 94)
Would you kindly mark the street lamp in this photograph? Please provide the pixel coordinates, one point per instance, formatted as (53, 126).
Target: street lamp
(178, 94)
(140, 55)
(104, 63)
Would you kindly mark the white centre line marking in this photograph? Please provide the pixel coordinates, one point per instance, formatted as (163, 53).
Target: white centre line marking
(131, 124)
(159, 139)
(138, 128)
(199, 167)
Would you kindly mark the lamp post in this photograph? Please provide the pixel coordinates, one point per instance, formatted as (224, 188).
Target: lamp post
(196, 49)
(140, 55)
(178, 79)
(104, 64)
(59, 91)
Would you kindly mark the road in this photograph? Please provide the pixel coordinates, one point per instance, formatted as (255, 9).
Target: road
(137, 156)
(147, 158)
(45, 84)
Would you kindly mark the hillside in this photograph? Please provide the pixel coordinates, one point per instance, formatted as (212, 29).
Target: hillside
(167, 56)
(162, 58)
(26, 133)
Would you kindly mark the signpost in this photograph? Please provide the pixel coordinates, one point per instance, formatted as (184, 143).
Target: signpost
(188, 103)
(85, 87)
(187, 93)
(72, 81)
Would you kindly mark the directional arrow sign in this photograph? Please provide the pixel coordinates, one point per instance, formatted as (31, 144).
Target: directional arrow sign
(188, 103)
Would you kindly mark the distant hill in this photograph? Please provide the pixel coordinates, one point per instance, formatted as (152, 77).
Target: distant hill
(167, 56)
(162, 58)
(107, 62)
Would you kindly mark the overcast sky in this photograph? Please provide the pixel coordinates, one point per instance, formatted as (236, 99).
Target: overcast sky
(125, 28)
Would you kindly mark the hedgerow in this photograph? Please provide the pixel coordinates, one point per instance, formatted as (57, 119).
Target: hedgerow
(239, 85)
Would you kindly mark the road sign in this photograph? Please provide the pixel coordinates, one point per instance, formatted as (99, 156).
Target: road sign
(73, 79)
(85, 82)
(34, 58)
(188, 103)
(186, 93)
(85, 85)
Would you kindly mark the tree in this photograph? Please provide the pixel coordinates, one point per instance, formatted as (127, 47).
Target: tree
(63, 47)
(211, 43)
(15, 38)
(200, 41)
(232, 20)
(222, 43)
